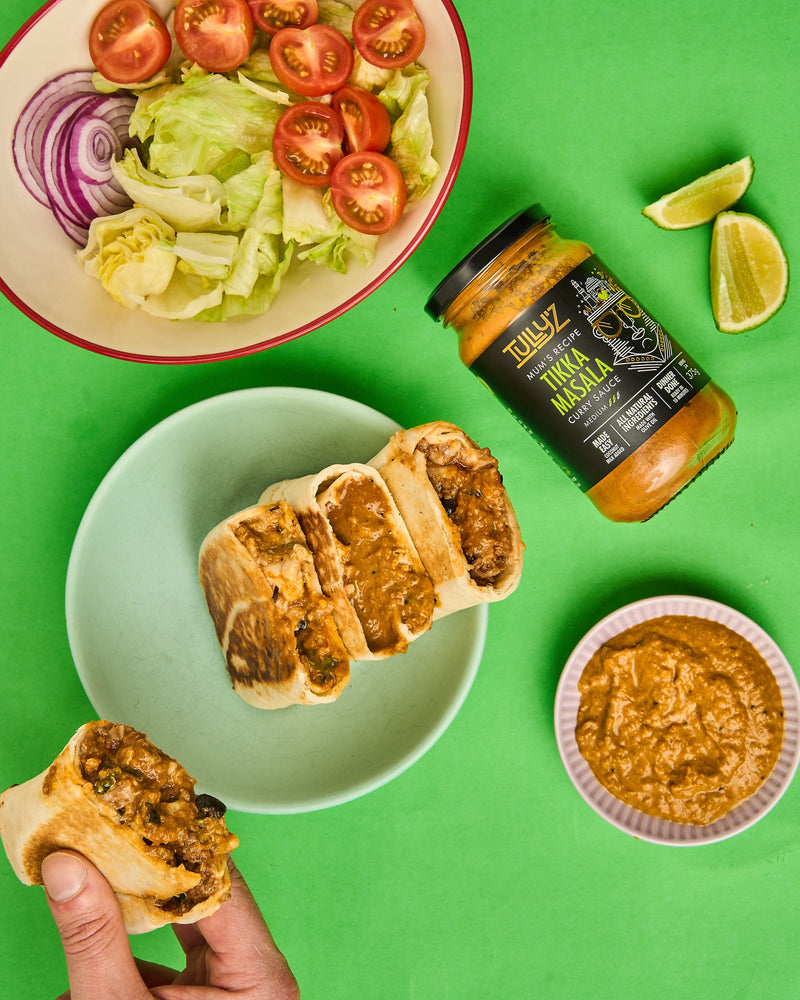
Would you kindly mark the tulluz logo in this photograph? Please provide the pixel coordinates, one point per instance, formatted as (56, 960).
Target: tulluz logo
(535, 336)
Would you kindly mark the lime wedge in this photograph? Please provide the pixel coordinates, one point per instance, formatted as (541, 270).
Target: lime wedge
(699, 202)
(749, 272)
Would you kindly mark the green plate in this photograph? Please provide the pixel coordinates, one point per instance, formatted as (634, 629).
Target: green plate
(144, 645)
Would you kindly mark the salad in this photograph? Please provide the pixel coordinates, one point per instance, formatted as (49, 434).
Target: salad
(208, 151)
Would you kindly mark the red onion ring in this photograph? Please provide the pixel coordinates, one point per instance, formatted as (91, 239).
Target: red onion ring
(64, 142)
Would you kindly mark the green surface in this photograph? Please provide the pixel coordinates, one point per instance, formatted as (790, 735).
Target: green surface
(480, 872)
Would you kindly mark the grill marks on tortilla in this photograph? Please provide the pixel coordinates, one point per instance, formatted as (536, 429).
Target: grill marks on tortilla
(471, 491)
(251, 656)
(259, 647)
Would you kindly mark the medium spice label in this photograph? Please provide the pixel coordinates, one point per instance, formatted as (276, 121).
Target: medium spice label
(589, 373)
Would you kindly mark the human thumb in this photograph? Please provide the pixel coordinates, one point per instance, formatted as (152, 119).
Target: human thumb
(88, 918)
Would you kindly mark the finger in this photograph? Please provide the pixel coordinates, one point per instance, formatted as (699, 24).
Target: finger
(239, 918)
(154, 974)
(88, 918)
(233, 948)
(189, 937)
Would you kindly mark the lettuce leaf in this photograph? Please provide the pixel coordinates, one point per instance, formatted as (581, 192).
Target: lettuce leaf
(310, 221)
(338, 15)
(186, 295)
(197, 126)
(252, 191)
(260, 295)
(411, 145)
(130, 254)
(193, 202)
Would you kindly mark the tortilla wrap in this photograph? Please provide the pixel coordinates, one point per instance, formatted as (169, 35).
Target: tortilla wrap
(131, 810)
(365, 557)
(273, 622)
(451, 495)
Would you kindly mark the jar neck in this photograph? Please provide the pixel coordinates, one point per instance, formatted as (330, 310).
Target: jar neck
(539, 239)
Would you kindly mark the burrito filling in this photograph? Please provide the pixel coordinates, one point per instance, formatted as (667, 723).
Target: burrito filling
(386, 589)
(154, 796)
(276, 543)
(471, 491)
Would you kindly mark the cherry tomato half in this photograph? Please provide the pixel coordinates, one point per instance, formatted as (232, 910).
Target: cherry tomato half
(128, 41)
(272, 15)
(215, 34)
(367, 125)
(311, 61)
(388, 32)
(368, 192)
(307, 143)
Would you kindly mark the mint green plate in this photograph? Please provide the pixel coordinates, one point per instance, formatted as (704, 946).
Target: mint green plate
(144, 645)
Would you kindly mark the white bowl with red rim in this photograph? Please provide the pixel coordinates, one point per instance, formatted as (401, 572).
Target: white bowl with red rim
(628, 819)
(38, 270)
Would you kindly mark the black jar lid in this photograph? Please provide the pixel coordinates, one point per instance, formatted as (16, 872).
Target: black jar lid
(481, 257)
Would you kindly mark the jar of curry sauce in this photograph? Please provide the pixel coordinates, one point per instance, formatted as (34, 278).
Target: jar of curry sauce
(608, 393)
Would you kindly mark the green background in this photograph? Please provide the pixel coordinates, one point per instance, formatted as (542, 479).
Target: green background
(480, 872)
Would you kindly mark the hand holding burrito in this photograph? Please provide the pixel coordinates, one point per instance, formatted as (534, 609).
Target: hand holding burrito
(132, 811)
(230, 951)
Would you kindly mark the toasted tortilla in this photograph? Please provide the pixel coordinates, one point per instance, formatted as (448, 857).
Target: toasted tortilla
(366, 560)
(451, 495)
(274, 624)
(66, 807)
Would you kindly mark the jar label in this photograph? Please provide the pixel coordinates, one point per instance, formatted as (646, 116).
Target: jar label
(589, 373)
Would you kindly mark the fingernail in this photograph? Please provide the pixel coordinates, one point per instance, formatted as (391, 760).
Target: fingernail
(63, 876)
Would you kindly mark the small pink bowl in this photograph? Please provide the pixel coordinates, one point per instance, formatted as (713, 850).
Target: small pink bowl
(624, 817)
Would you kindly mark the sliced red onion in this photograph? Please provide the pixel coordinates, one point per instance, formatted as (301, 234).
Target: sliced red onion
(54, 159)
(64, 143)
(98, 138)
(31, 124)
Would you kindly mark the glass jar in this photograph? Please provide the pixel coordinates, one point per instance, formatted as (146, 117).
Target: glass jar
(628, 415)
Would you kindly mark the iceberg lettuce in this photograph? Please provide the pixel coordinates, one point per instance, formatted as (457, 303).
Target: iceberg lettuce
(193, 202)
(197, 126)
(405, 98)
(252, 196)
(338, 15)
(215, 225)
(208, 254)
(130, 254)
(260, 295)
(310, 221)
(186, 295)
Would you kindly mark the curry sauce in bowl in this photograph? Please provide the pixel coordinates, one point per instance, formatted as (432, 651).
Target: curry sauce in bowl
(677, 720)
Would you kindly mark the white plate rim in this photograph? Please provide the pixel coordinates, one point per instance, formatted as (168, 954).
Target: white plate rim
(624, 817)
(473, 623)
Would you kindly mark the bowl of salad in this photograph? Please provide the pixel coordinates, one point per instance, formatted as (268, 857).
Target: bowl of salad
(192, 180)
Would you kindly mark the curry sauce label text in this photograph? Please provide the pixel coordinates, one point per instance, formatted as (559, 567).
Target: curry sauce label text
(589, 373)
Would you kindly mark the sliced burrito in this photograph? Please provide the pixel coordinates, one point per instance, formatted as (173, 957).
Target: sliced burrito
(451, 495)
(132, 811)
(365, 558)
(273, 622)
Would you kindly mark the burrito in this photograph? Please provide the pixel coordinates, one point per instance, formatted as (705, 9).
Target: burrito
(274, 624)
(132, 811)
(451, 495)
(366, 560)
